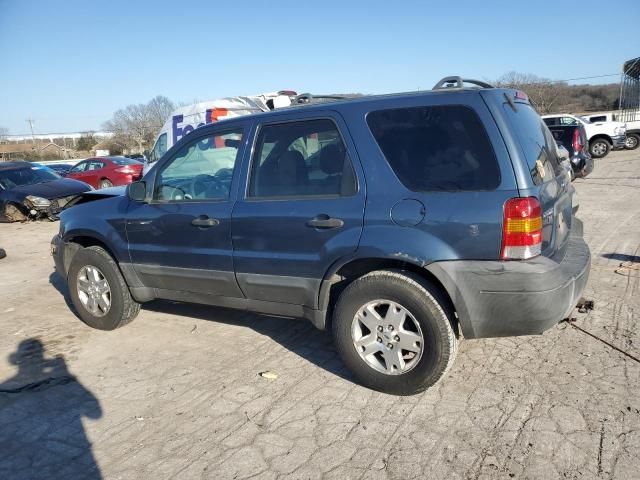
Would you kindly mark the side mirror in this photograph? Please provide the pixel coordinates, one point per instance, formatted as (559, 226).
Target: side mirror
(137, 191)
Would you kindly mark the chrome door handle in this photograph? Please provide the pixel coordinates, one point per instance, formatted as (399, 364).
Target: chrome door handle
(205, 222)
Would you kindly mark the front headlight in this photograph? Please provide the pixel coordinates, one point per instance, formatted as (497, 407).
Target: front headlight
(35, 201)
(619, 130)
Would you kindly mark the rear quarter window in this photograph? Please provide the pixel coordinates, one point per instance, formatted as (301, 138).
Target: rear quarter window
(536, 141)
(436, 148)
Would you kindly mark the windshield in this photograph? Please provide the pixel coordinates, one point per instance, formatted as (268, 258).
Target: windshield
(26, 176)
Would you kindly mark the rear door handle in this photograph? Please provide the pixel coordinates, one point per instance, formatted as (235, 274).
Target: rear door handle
(325, 221)
(205, 222)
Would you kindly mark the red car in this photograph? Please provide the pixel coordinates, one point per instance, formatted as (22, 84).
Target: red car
(104, 172)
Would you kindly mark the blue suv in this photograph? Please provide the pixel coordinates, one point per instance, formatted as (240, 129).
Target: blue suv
(401, 222)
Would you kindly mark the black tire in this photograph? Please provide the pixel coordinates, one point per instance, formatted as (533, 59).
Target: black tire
(601, 147)
(123, 307)
(105, 183)
(427, 305)
(633, 141)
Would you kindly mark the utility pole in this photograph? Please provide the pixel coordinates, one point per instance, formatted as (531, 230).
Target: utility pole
(31, 120)
(33, 137)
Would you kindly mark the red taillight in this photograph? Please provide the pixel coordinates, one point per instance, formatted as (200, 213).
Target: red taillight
(521, 229)
(126, 170)
(577, 142)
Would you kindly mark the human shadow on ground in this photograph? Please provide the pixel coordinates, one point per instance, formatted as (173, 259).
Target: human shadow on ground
(41, 410)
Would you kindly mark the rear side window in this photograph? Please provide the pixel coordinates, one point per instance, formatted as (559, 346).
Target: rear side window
(299, 159)
(536, 141)
(436, 148)
(125, 161)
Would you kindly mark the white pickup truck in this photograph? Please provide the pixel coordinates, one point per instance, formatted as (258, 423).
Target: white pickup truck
(632, 121)
(602, 136)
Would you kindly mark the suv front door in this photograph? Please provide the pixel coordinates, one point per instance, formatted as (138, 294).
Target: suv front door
(180, 238)
(302, 210)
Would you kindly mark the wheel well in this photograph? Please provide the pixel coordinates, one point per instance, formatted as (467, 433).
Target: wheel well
(85, 241)
(357, 268)
(601, 136)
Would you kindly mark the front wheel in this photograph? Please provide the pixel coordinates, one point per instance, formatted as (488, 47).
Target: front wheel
(98, 290)
(599, 148)
(632, 142)
(394, 332)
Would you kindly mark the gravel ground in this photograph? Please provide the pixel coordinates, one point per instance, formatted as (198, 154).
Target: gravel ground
(177, 394)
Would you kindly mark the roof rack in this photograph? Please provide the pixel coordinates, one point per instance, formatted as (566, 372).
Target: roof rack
(306, 98)
(458, 82)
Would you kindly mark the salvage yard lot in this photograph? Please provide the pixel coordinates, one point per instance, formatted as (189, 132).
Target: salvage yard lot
(177, 394)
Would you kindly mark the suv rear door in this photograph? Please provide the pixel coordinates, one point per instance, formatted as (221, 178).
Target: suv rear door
(302, 209)
(539, 173)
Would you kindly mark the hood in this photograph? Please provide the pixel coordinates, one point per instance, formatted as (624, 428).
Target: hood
(62, 187)
(612, 123)
(109, 192)
(94, 195)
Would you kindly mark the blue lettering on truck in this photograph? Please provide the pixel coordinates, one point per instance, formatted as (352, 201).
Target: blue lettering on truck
(178, 131)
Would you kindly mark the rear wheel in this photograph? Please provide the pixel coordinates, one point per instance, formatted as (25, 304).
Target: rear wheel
(599, 148)
(632, 142)
(105, 183)
(98, 290)
(394, 332)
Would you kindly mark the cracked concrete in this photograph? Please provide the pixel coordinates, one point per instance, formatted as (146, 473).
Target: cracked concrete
(162, 399)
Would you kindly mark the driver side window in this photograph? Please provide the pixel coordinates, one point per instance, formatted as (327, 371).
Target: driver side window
(201, 170)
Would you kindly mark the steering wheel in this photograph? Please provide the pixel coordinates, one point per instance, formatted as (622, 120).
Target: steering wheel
(171, 192)
(201, 183)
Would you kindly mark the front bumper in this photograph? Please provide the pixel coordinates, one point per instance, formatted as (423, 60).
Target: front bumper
(57, 254)
(619, 141)
(498, 299)
(62, 254)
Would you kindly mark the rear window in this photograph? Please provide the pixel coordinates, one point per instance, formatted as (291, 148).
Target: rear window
(536, 142)
(125, 161)
(436, 148)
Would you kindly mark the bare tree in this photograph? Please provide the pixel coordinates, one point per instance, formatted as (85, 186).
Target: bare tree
(137, 125)
(543, 93)
(4, 131)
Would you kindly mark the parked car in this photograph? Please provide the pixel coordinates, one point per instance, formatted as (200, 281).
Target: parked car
(105, 172)
(32, 191)
(633, 125)
(602, 136)
(401, 222)
(574, 139)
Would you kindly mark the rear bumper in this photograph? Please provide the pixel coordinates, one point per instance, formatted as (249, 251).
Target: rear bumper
(497, 299)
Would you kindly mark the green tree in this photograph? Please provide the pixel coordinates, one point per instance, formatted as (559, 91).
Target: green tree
(86, 142)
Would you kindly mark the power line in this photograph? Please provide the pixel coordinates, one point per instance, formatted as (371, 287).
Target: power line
(586, 78)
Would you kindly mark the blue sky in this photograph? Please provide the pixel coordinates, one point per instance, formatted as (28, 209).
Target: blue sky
(70, 64)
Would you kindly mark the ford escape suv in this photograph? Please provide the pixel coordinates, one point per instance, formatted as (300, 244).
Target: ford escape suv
(402, 222)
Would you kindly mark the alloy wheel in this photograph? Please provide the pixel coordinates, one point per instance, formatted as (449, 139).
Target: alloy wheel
(94, 291)
(387, 337)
